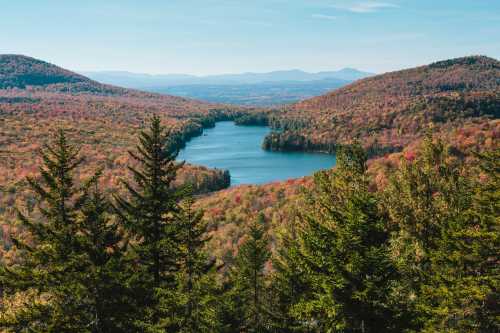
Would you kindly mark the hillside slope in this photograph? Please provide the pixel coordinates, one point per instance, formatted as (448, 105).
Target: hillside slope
(389, 111)
(36, 98)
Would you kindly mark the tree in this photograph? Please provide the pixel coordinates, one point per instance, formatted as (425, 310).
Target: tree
(69, 278)
(109, 305)
(249, 282)
(196, 280)
(446, 241)
(344, 251)
(51, 264)
(150, 216)
(289, 285)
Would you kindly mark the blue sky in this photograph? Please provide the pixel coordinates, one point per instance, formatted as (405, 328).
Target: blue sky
(230, 36)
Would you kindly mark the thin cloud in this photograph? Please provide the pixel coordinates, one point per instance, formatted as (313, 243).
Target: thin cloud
(324, 17)
(366, 7)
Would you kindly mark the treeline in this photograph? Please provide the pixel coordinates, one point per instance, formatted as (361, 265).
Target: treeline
(420, 255)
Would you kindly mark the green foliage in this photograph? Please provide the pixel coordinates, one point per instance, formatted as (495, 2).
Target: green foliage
(109, 305)
(289, 285)
(67, 280)
(445, 242)
(150, 217)
(344, 251)
(249, 288)
(197, 285)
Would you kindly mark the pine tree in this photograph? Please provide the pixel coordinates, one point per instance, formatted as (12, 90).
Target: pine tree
(196, 279)
(446, 242)
(482, 244)
(109, 305)
(48, 280)
(289, 285)
(344, 250)
(149, 214)
(249, 281)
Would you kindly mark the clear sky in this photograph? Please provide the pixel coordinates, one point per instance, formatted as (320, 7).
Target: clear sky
(230, 36)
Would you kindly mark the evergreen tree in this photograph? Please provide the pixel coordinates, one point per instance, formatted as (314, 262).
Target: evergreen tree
(51, 264)
(150, 215)
(482, 244)
(69, 277)
(289, 285)
(446, 242)
(109, 305)
(249, 282)
(344, 250)
(196, 300)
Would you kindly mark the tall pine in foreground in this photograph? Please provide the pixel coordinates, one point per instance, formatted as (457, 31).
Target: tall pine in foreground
(149, 212)
(65, 281)
(47, 276)
(344, 250)
(446, 243)
(197, 285)
(289, 284)
(109, 306)
(249, 293)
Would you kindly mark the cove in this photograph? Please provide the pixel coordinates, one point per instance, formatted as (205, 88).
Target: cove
(238, 149)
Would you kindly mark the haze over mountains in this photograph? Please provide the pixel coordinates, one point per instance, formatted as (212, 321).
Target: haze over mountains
(262, 89)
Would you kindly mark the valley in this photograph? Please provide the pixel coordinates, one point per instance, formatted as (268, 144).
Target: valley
(249, 162)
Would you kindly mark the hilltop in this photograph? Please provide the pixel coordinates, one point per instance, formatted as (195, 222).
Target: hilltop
(18, 71)
(389, 111)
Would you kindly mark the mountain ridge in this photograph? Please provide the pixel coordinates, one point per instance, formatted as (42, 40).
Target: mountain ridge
(136, 80)
(389, 111)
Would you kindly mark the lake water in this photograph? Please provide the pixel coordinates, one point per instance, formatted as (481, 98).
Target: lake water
(238, 149)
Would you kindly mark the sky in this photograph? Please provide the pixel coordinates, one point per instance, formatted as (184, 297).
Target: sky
(204, 37)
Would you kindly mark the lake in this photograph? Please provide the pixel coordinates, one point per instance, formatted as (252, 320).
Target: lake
(238, 149)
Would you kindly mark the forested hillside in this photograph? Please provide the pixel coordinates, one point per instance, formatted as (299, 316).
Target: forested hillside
(36, 98)
(387, 112)
(416, 254)
(101, 230)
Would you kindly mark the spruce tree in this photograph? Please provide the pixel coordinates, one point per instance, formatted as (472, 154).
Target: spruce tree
(196, 278)
(150, 215)
(109, 305)
(289, 285)
(249, 282)
(49, 277)
(71, 274)
(482, 244)
(446, 242)
(344, 251)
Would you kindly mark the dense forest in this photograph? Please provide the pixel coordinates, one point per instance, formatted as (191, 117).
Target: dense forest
(99, 236)
(103, 119)
(389, 111)
(417, 255)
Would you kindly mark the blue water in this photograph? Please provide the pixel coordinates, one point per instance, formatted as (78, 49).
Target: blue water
(238, 149)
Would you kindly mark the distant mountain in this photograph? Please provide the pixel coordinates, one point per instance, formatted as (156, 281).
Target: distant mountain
(389, 111)
(135, 80)
(256, 94)
(261, 89)
(27, 73)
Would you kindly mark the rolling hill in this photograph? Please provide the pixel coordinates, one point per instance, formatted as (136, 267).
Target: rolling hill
(389, 111)
(36, 98)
